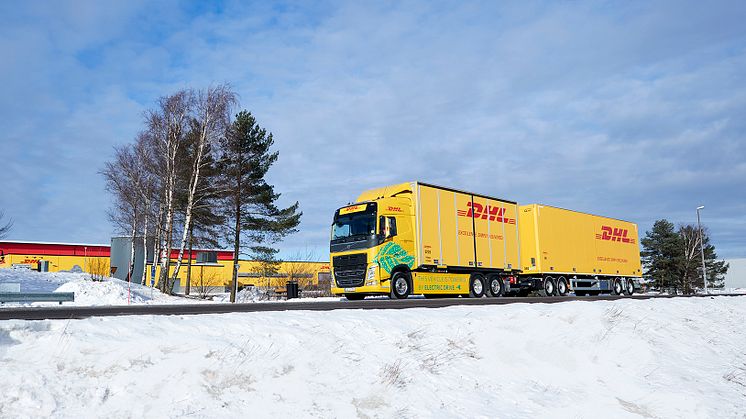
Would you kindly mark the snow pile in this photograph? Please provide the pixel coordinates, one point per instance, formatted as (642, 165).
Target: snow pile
(654, 358)
(111, 291)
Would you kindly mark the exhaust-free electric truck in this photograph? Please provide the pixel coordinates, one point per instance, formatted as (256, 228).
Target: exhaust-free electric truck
(417, 238)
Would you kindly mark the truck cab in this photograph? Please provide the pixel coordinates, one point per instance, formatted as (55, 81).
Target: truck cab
(370, 240)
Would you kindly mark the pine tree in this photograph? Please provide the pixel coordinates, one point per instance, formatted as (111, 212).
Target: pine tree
(662, 255)
(250, 203)
(672, 258)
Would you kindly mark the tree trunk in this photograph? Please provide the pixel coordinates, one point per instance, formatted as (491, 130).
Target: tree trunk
(144, 278)
(189, 264)
(237, 240)
(190, 205)
(131, 266)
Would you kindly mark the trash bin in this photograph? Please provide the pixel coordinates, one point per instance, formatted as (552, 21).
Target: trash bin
(292, 289)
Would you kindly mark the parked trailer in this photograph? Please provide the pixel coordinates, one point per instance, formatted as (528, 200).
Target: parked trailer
(418, 238)
(564, 250)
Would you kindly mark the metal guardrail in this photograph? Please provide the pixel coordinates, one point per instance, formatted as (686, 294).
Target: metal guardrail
(31, 297)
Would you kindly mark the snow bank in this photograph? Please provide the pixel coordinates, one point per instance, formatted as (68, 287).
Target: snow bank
(655, 358)
(111, 291)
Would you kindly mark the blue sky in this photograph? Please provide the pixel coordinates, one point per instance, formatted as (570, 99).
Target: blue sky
(634, 110)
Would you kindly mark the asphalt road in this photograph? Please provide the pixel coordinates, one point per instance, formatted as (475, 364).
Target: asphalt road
(73, 312)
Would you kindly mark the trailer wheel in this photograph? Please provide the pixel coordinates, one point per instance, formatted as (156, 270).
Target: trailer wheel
(401, 286)
(495, 285)
(354, 297)
(562, 286)
(630, 288)
(476, 286)
(550, 287)
(617, 288)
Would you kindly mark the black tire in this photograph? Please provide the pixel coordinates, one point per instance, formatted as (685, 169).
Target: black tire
(401, 285)
(476, 286)
(629, 289)
(549, 288)
(354, 297)
(562, 287)
(617, 288)
(495, 286)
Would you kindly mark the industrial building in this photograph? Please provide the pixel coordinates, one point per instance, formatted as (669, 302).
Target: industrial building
(211, 269)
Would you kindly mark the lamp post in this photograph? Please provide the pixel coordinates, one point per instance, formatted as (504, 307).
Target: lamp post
(702, 248)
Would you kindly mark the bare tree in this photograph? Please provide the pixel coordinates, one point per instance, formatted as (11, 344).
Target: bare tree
(123, 178)
(5, 229)
(167, 128)
(302, 268)
(212, 117)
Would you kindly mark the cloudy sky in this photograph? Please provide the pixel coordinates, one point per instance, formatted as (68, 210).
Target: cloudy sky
(635, 110)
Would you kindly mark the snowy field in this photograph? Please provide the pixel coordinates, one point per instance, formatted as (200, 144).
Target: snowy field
(113, 291)
(638, 359)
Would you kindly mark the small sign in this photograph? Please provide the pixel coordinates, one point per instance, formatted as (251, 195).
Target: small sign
(152, 275)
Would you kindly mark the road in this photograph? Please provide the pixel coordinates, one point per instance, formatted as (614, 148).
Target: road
(77, 312)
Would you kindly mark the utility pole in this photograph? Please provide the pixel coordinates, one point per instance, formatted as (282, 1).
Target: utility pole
(702, 248)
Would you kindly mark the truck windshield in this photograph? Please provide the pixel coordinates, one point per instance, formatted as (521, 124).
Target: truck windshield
(355, 224)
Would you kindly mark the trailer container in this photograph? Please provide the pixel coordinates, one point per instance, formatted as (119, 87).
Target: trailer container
(564, 250)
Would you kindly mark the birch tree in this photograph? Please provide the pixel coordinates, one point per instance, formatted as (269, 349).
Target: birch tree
(211, 118)
(167, 128)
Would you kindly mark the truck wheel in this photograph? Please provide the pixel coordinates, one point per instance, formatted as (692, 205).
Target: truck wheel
(630, 288)
(549, 288)
(401, 286)
(617, 289)
(476, 286)
(562, 286)
(354, 297)
(495, 286)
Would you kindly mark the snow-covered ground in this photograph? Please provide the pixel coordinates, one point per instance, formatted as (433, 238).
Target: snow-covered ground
(113, 291)
(665, 358)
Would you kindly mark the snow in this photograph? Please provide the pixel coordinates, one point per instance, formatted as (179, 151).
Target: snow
(681, 357)
(111, 291)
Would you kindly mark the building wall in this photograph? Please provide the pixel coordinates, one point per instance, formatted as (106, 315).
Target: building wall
(114, 260)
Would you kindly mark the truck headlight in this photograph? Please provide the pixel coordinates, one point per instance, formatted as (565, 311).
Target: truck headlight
(371, 272)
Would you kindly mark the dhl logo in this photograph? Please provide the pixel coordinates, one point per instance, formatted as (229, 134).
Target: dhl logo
(478, 211)
(614, 234)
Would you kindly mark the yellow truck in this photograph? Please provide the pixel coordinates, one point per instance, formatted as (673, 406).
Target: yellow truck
(418, 238)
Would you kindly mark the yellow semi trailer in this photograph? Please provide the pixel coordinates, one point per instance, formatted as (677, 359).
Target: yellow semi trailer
(564, 250)
(418, 238)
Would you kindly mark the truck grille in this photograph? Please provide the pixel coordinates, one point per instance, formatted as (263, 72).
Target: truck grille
(349, 270)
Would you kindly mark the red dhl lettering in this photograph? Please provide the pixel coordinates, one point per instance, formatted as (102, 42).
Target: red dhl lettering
(614, 234)
(394, 209)
(478, 211)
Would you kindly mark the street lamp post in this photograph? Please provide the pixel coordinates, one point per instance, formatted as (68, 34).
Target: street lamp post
(702, 248)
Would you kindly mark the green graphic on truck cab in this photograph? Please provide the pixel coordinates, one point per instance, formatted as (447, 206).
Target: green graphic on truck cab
(392, 255)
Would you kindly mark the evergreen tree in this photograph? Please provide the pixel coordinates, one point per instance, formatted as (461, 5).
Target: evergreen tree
(672, 258)
(249, 202)
(662, 255)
